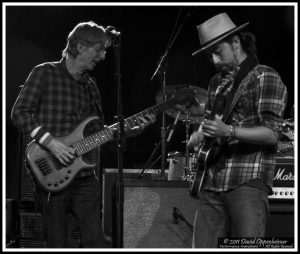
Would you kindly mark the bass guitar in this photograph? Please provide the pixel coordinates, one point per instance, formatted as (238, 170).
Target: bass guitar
(53, 176)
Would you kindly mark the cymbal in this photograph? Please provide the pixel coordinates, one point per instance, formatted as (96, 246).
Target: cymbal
(189, 112)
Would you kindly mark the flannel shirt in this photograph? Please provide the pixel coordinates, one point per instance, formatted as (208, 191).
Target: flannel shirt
(52, 99)
(262, 103)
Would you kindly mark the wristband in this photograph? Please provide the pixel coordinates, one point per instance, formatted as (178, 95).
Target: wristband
(41, 132)
(232, 131)
(45, 140)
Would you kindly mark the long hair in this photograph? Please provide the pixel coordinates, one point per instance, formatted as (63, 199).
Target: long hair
(248, 42)
(88, 34)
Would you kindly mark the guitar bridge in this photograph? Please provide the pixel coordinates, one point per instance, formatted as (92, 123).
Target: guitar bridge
(44, 166)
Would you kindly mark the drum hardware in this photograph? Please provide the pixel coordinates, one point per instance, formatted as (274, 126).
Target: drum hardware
(190, 113)
(193, 111)
(288, 129)
(187, 168)
(189, 159)
(162, 71)
(170, 130)
(286, 144)
(177, 165)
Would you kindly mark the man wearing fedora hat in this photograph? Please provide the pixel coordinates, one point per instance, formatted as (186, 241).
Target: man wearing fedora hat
(244, 113)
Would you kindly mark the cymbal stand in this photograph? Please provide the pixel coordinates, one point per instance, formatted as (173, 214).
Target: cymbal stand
(187, 122)
(187, 154)
(161, 69)
(163, 127)
(170, 131)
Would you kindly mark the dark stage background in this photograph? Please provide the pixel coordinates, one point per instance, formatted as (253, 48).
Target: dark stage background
(35, 34)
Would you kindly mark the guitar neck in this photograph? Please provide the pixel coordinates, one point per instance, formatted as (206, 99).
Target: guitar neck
(99, 138)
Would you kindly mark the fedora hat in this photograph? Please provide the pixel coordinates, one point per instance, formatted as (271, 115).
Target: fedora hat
(216, 29)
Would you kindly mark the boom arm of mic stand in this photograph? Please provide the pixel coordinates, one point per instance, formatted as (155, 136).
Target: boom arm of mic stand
(169, 46)
(159, 65)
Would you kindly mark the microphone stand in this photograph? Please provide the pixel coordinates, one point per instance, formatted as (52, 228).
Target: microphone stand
(170, 129)
(178, 215)
(163, 127)
(121, 138)
(161, 69)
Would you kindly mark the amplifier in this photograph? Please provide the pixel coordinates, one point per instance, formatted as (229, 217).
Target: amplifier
(283, 181)
(33, 233)
(149, 213)
(109, 180)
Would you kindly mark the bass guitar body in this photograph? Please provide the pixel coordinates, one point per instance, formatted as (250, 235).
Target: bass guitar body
(50, 174)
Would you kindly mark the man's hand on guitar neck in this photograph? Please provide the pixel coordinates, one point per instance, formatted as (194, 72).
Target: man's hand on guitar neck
(142, 123)
(65, 154)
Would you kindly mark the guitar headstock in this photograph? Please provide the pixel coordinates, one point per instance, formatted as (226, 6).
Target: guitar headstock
(230, 75)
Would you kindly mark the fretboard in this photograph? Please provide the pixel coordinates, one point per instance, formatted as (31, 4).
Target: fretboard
(99, 138)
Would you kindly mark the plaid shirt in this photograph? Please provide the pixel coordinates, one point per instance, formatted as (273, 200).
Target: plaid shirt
(51, 98)
(262, 103)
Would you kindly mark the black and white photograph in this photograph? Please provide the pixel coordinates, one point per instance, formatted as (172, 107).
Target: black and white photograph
(149, 126)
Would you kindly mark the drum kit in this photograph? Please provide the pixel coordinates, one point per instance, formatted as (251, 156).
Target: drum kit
(286, 145)
(181, 164)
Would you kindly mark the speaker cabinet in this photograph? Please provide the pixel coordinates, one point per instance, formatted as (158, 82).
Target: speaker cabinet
(109, 181)
(11, 221)
(33, 233)
(281, 221)
(143, 215)
(155, 214)
(26, 185)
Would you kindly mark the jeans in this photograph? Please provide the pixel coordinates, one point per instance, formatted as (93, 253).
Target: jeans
(242, 212)
(83, 199)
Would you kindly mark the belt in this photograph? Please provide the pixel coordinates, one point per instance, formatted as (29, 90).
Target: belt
(84, 173)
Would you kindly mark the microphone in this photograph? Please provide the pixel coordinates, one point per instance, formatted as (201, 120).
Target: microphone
(173, 126)
(112, 31)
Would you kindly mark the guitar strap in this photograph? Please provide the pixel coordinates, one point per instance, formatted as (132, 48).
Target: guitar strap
(220, 155)
(252, 74)
(92, 85)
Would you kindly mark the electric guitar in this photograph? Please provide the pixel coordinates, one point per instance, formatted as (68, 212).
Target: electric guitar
(209, 146)
(53, 176)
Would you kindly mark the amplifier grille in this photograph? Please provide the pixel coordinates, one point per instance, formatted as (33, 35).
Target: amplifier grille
(33, 233)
